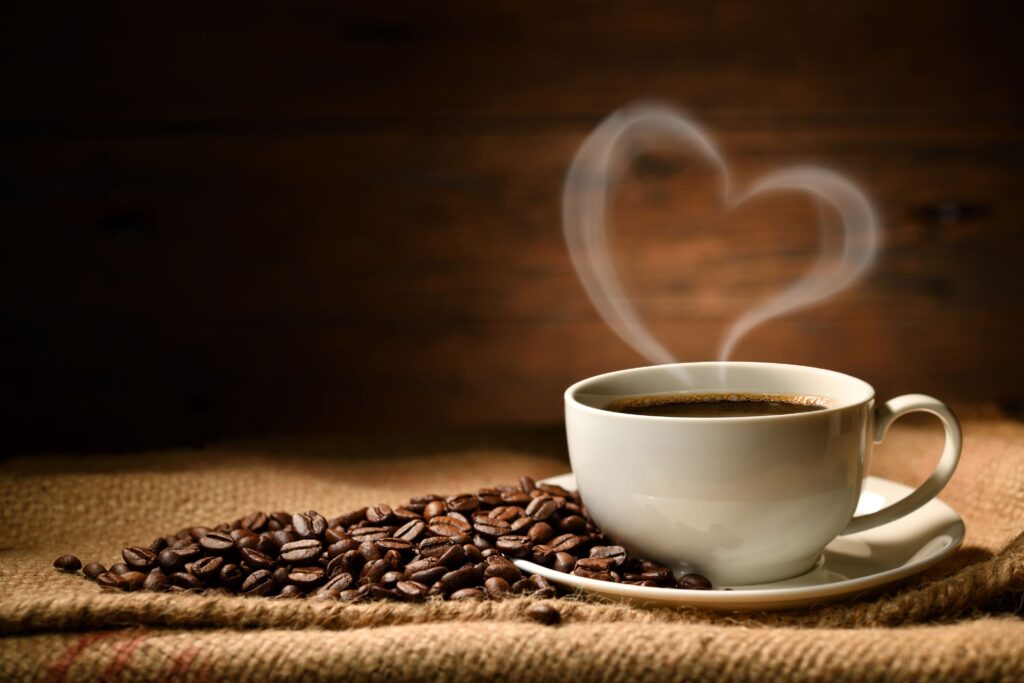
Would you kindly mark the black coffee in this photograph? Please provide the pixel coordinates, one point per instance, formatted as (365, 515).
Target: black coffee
(717, 405)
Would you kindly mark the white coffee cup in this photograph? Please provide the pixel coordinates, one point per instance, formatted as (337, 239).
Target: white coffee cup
(741, 500)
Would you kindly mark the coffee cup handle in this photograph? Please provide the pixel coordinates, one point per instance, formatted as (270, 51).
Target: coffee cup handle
(885, 415)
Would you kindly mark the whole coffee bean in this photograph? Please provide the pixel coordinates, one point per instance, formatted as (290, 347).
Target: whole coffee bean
(522, 525)
(256, 559)
(460, 578)
(169, 560)
(497, 587)
(404, 514)
(514, 546)
(305, 577)
(68, 563)
(515, 497)
(449, 525)
(590, 574)
(288, 591)
(541, 508)
(260, 582)
(473, 553)
(309, 524)
(369, 533)
(541, 532)
(138, 557)
(453, 557)
(188, 552)
(468, 594)
(373, 571)
(280, 576)
(350, 518)
(694, 582)
(399, 544)
(492, 527)
(523, 586)
(614, 552)
(661, 575)
(108, 580)
(379, 514)
(463, 502)
(573, 524)
(543, 555)
(231, 575)
(156, 581)
(565, 543)
(489, 497)
(341, 547)
(564, 562)
(597, 564)
(434, 508)
(381, 593)
(411, 530)
(350, 595)
(216, 542)
(93, 570)
(186, 580)
(412, 591)
(507, 513)
(207, 568)
(482, 543)
(158, 544)
(526, 484)
(429, 576)
(282, 536)
(119, 568)
(301, 551)
(544, 613)
(131, 580)
(339, 582)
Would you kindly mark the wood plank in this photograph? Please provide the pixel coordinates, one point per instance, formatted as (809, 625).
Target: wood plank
(182, 284)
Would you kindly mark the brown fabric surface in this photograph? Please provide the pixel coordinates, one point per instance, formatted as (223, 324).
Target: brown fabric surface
(961, 619)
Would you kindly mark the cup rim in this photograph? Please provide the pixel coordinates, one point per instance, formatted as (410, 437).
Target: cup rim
(570, 394)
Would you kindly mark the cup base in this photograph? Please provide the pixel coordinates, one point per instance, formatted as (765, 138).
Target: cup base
(754, 575)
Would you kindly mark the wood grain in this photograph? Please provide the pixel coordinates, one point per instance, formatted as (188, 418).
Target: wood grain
(314, 217)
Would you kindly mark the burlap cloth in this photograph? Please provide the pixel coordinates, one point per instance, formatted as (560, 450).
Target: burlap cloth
(960, 620)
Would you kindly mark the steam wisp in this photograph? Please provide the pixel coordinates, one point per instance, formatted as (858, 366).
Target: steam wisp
(849, 246)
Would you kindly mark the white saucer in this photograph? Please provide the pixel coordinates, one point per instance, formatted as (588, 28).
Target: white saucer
(850, 564)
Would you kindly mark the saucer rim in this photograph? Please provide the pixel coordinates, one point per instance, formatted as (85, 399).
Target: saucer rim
(737, 599)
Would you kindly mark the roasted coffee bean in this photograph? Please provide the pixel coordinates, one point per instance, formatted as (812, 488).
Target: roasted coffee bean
(119, 568)
(341, 547)
(541, 532)
(461, 578)
(507, 513)
(694, 582)
(289, 591)
(449, 525)
(156, 581)
(404, 514)
(301, 551)
(573, 524)
(350, 595)
(68, 563)
(260, 582)
(492, 526)
(464, 502)
(541, 508)
(397, 544)
(565, 543)
(526, 484)
(350, 518)
(434, 508)
(412, 591)
(309, 524)
(231, 575)
(379, 514)
(515, 497)
(94, 569)
(283, 536)
(239, 534)
(391, 578)
(429, 576)
(468, 594)
(514, 546)
(543, 555)
(523, 586)
(660, 575)
(554, 490)
(188, 552)
(186, 580)
(497, 587)
(369, 533)
(454, 556)
(256, 559)
(614, 552)
(596, 564)
(373, 571)
(158, 544)
(305, 577)
(411, 530)
(564, 562)
(131, 580)
(208, 568)
(339, 582)
(169, 560)
(522, 525)
(256, 521)
(107, 580)
(590, 574)
(377, 592)
(544, 613)
(482, 543)
(216, 542)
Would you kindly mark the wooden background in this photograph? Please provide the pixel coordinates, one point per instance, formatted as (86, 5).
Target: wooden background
(238, 218)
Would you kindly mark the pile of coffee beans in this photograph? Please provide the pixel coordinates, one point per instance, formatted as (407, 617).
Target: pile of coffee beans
(455, 547)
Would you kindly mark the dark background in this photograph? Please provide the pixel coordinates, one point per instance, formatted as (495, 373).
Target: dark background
(242, 218)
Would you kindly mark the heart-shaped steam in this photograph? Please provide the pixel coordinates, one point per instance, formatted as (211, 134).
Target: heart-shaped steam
(585, 216)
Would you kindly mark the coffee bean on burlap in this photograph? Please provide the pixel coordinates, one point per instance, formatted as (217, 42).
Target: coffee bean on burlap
(93, 570)
(156, 581)
(67, 563)
(216, 542)
(411, 530)
(107, 580)
(497, 587)
(185, 580)
(119, 568)
(306, 577)
(309, 524)
(231, 575)
(379, 515)
(492, 527)
(260, 582)
(514, 546)
(369, 533)
(614, 552)
(544, 613)
(412, 591)
(541, 532)
(257, 560)
(207, 568)
(572, 524)
(301, 551)
(463, 502)
(468, 594)
(131, 580)
(565, 543)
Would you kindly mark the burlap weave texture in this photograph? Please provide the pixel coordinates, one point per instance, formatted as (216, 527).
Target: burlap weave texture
(960, 620)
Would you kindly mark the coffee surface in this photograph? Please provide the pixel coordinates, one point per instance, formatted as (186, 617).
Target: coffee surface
(717, 405)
